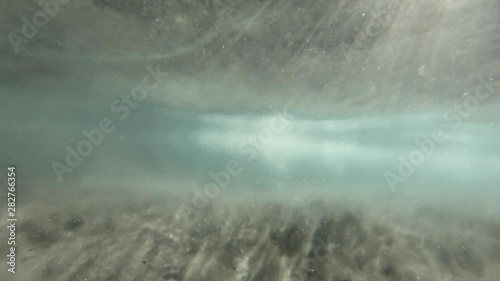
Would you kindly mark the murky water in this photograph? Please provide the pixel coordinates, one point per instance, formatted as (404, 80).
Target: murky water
(231, 140)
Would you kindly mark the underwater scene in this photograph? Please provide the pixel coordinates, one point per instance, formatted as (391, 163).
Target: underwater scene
(267, 140)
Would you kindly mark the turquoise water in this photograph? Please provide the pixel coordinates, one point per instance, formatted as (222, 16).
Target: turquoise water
(439, 157)
(250, 140)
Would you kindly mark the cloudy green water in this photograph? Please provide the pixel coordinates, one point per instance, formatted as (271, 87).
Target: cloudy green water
(252, 140)
(443, 156)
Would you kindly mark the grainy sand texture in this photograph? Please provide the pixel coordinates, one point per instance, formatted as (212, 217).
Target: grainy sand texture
(98, 235)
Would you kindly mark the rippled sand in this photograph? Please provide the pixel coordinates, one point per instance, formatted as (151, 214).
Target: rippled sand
(88, 235)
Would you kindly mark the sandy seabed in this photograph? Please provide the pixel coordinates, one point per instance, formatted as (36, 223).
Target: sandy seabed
(103, 235)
